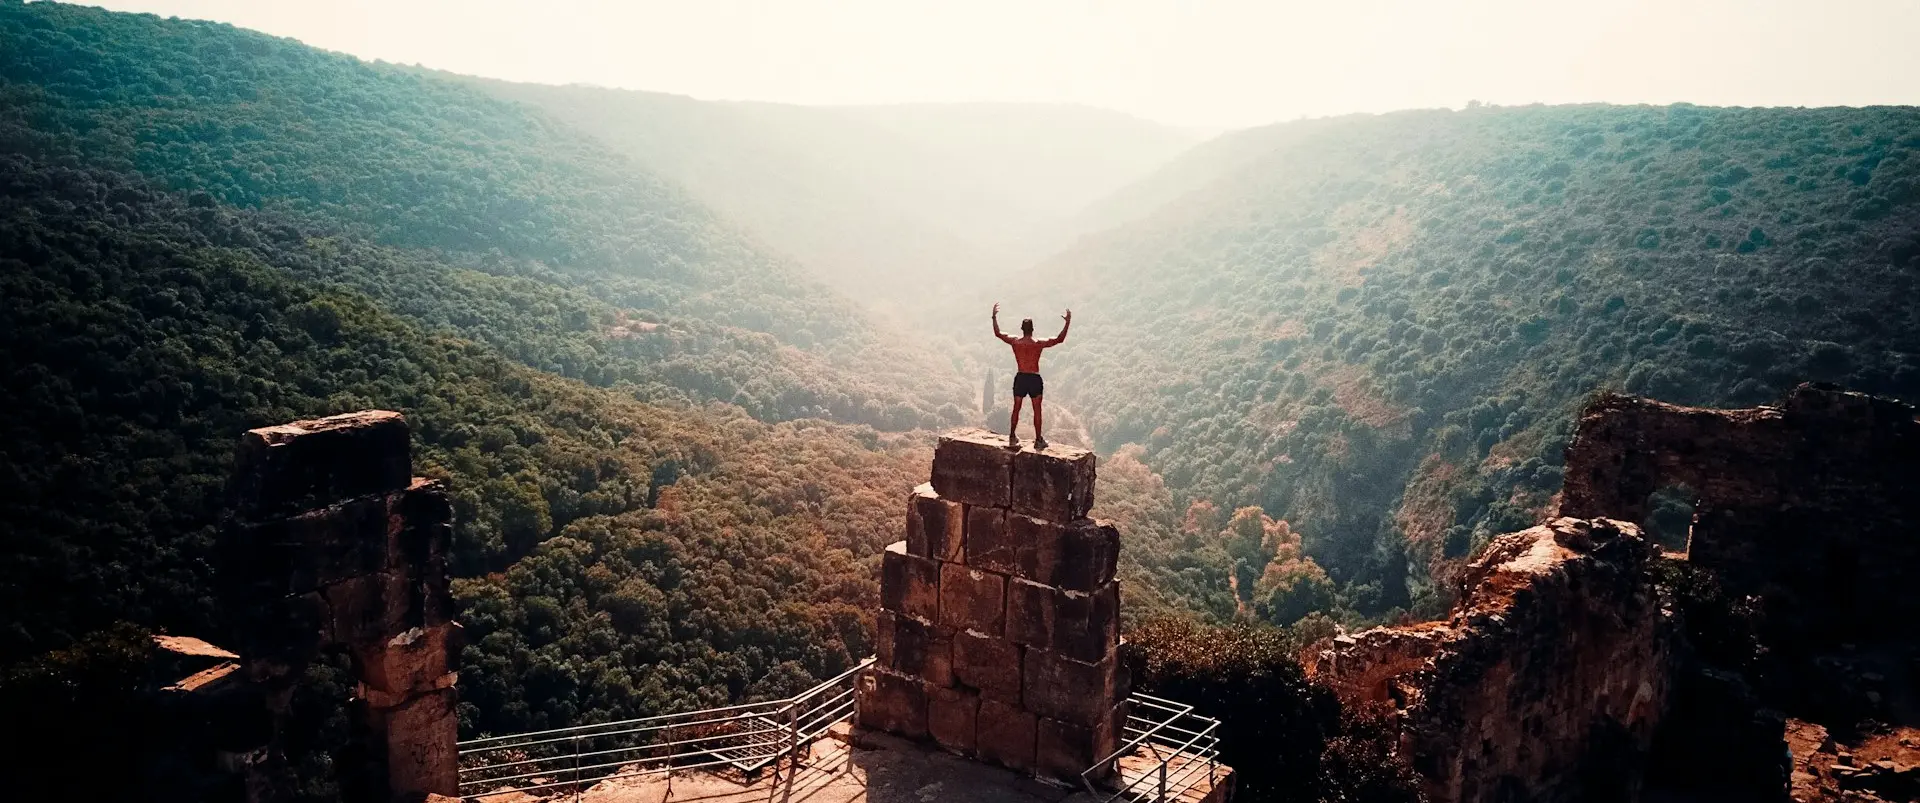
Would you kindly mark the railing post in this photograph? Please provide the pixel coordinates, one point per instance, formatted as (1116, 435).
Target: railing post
(1162, 797)
(793, 747)
(576, 769)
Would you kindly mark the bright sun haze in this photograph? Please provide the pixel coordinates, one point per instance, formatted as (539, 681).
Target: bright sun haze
(1203, 65)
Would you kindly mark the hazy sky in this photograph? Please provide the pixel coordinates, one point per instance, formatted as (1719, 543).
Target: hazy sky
(1224, 63)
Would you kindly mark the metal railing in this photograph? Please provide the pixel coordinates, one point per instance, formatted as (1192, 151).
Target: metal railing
(1172, 750)
(747, 737)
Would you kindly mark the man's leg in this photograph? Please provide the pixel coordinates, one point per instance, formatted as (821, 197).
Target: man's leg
(1013, 427)
(1039, 439)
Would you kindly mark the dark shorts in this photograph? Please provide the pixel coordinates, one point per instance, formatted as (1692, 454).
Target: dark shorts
(1025, 384)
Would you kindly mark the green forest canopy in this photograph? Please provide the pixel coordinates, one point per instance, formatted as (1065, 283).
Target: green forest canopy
(1380, 326)
(670, 454)
(1324, 359)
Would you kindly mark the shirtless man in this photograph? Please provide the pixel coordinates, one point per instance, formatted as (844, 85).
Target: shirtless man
(1026, 355)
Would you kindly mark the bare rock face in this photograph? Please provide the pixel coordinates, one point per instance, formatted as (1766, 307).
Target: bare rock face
(1810, 504)
(1547, 681)
(1000, 613)
(335, 544)
(1559, 677)
(1809, 507)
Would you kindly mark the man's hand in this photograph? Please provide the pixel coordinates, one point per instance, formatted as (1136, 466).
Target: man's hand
(996, 309)
(1062, 337)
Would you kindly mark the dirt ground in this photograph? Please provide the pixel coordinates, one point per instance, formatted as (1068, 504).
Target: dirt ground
(1871, 767)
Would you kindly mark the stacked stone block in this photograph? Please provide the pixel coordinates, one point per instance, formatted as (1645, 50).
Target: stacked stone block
(999, 625)
(336, 545)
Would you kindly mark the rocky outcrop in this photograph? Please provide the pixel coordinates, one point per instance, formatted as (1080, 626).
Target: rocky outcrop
(1546, 683)
(1560, 676)
(1810, 505)
(335, 545)
(999, 625)
(1807, 508)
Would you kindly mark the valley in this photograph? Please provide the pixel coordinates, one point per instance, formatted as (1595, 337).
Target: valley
(680, 360)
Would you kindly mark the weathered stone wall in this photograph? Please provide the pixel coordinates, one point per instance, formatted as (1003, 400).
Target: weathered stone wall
(1811, 504)
(1557, 665)
(999, 623)
(1547, 681)
(334, 544)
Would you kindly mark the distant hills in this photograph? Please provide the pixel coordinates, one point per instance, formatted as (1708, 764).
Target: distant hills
(893, 205)
(675, 451)
(483, 194)
(1379, 327)
(205, 229)
(679, 358)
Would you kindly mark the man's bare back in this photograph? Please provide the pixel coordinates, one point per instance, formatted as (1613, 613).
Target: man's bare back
(1027, 383)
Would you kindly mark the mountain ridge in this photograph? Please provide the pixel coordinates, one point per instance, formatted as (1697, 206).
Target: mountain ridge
(1378, 326)
(896, 203)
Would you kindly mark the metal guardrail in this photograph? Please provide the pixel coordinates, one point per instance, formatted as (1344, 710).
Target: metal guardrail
(1179, 749)
(748, 737)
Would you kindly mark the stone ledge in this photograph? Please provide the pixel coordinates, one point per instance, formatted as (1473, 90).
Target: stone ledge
(973, 467)
(311, 464)
(936, 527)
(1055, 485)
(909, 585)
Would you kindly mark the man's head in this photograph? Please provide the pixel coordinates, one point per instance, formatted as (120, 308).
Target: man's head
(1026, 327)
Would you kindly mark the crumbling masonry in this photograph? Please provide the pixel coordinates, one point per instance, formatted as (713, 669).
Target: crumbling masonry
(1547, 681)
(1811, 505)
(1559, 676)
(336, 545)
(999, 629)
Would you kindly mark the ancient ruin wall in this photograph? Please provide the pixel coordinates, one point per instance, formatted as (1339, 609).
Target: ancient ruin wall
(1811, 504)
(1547, 681)
(334, 544)
(999, 622)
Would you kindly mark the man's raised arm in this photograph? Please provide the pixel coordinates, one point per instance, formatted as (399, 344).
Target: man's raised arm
(1062, 337)
(996, 323)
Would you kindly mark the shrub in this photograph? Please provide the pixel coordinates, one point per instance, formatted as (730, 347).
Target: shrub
(1288, 737)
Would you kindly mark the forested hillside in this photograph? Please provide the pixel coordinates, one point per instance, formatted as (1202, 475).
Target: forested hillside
(516, 229)
(1322, 361)
(1377, 328)
(699, 552)
(897, 206)
(204, 229)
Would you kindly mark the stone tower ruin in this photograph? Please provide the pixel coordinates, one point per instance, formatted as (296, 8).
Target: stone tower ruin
(999, 627)
(335, 545)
